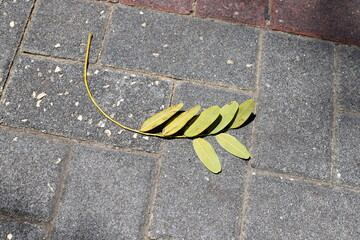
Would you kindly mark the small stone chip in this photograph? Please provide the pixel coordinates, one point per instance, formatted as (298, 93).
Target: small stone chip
(141, 13)
(38, 103)
(157, 83)
(101, 124)
(230, 61)
(146, 137)
(12, 24)
(76, 103)
(249, 65)
(80, 118)
(143, 25)
(9, 236)
(57, 69)
(58, 161)
(57, 45)
(40, 95)
(156, 54)
(130, 115)
(135, 135)
(107, 132)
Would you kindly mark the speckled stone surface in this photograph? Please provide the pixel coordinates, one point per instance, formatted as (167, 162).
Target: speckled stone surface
(176, 6)
(10, 229)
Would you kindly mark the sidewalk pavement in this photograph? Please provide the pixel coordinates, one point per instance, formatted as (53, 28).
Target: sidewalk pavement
(68, 173)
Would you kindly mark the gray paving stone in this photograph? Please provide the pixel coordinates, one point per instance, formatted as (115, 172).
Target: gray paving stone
(285, 209)
(61, 28)
(29, 174)
(348, 161)
(106, 196)
(191, 202)
(349, 72)
(10, 229)
(13, 17)
(295, 110)
(66, 110)
(182, 47)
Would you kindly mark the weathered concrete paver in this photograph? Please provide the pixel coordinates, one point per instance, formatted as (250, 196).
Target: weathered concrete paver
(177, 6)
(66, 109)
(10, 229)
(348, 155)
(191, 202)
(106, 196)
(13, 17)
(294, 124)
(349, 72)
(60, 28)
(284, 209)
(29, 174)
(182, 47)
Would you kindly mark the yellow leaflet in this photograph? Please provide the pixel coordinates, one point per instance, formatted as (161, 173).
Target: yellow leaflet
(232, 145)
(180, 121)
(245, 110)
(207, 155)
(227, 113)
(205, 119)
(160, 117)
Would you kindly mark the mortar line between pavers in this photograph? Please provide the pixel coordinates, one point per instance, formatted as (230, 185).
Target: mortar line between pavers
(59, 193)
(171, 99)
(252, 137)
(193, 9)
(334, 138)
(105, 34)
(77, 141)
(154, 190)
(268, 22)
(302, 179)
(23, 219)
(342, 110)
(18, 50)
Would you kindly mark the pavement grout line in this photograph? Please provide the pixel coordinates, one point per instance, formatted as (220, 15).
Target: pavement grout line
(252, 137)
(19, 47)
(60, 192)
(342, 110)
(77, 141)
(171, 99)
(268, 22)
(154, 190)
(105, 34)
(334, 139)
(306, 180)
(193, 9)
(22, 219)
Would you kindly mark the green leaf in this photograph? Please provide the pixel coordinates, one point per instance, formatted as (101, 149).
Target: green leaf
(232, 145)
(245, 110)
(205, 119)
(207, 155)
(160, 117)
(180, 121)
(227, 113)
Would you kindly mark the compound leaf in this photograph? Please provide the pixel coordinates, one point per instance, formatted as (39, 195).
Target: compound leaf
(160, 117)
(205, 119)
(207, 155)
(232, 145)
(180, 121)
(227, 113)
(244, 111)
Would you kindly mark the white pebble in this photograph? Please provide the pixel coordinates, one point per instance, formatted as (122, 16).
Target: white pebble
(107, 132)
(146, 137)
(57, 69)
(40, 96)
(38, 103)
(101, 124)
(130, 115)
(15, 139)
(12, 24)
(143, 25)
(156, 54)
(249, 65)
(80, 118)
(141, 13)
(230, 61)
(96, 72)
(76, 103)
(135, 135)
(57, 45)
(58, 161)
(9, 236)
(157, 83)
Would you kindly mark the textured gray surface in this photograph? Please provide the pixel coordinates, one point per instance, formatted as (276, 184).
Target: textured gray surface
(66, 110)
(295, 111)
(284, 209)
(29, 172)
(182, 47)
(191, 202)
(348, 161)
(106, 196)
(13, 16)
(349, 78)
(60, 28)
(10, 229)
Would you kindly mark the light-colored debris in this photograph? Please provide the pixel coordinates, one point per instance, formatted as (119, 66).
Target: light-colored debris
(40, 95)
(57, 45)
(230, 62)
(57, 69)
(12, 24)
(80, 118)
(107, 132)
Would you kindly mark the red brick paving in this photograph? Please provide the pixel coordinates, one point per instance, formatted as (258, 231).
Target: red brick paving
(252, 12)
(336, 20)
(176, 6)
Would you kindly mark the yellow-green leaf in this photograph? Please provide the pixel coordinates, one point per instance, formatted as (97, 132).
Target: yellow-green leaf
(232, 145)
(207, 155)
(244, 111)
(205, 119)
(180, 121)
(160, 117)
(227, 113)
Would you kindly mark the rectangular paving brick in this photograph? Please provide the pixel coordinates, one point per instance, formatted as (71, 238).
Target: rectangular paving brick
(254, 13)
(348, 161)
(294, 116)
(29, 174)
(192, 202)
(284, 209)
(66, 109)
(60, 28)
(10, 229)
(332, 20)
(349, 72)
(176, 6)
(106, 195)
(13, 17)
(182, 47)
